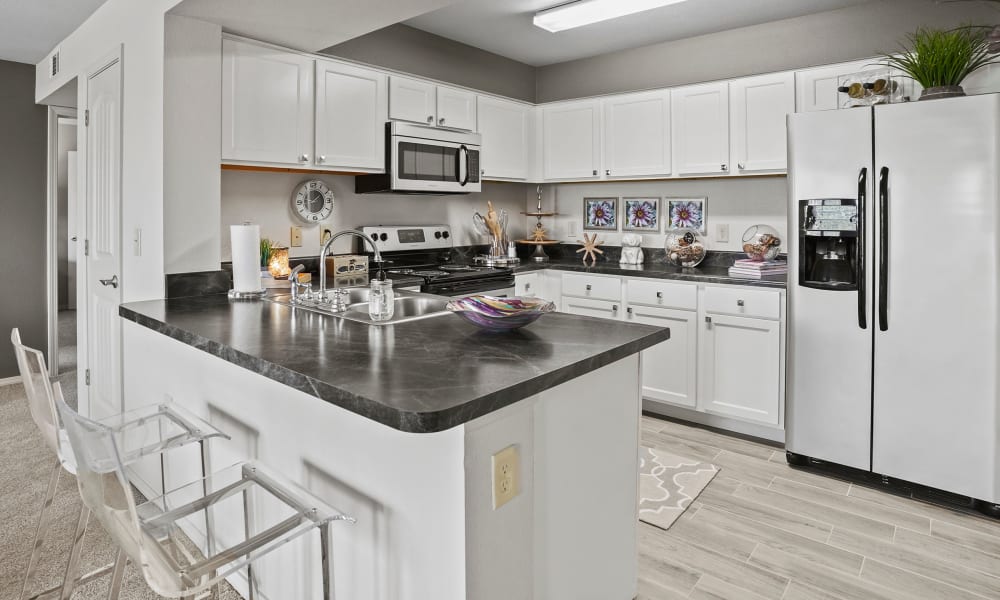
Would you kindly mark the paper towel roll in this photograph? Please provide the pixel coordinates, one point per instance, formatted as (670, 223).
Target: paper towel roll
(245, 241)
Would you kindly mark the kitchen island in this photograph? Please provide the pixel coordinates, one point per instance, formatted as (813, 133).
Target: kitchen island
(398, 425)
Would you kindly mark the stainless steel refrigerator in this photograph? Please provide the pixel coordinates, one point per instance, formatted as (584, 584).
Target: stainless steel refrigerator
(894, 348)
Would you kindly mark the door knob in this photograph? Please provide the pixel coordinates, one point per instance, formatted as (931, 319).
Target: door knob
(113, 282)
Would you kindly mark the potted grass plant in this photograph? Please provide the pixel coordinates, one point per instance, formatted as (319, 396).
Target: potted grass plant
(939, 60)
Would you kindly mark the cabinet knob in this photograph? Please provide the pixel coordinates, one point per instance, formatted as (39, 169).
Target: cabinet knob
(527, 286)
(482, 172)
(430, 119)
(304, 158)
(725, 167)
(739, 303)
(595, 172)
(607, 171)
(614, 308)
(708, 320)
(441, 121)
(629, 310)
(741, 166)
(659, 294)
(321, 158)
(588, 287)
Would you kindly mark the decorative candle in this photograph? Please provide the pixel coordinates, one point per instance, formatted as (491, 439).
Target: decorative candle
(278, 266)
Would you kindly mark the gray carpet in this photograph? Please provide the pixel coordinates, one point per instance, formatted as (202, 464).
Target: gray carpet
(25, 465)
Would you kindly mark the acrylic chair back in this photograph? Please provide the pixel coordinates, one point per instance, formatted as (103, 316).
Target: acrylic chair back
(41, 402)
(106, 491)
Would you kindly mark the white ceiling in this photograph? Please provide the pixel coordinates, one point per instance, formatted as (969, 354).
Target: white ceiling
(30, 28)
(505, 28)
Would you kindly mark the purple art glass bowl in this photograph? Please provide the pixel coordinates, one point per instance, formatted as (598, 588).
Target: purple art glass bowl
(500, 314)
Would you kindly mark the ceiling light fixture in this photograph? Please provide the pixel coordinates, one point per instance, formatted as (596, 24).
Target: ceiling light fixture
(586, 12)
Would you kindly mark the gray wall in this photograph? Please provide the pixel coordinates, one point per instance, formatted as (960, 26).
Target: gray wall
(835, 36)
(22, 211)
(410, 50)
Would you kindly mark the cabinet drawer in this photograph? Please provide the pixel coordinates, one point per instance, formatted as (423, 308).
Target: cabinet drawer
(661, 293)
(743, 302)
(588, 286)
(586, 307)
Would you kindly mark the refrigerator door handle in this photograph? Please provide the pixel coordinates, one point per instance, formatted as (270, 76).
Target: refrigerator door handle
(860, 258)
(883, 249)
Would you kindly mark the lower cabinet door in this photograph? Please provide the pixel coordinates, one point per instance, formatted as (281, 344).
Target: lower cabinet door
(740, 366)
(670, 368)
(591, 308)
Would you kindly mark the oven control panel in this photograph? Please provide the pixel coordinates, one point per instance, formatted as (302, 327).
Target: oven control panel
(389, 238)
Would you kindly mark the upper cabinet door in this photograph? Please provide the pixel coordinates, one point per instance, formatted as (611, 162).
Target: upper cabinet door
(701, 129)
(637, 134)
(352, 105)
(412, 100)
(456, 109)
(758, 110)
(816, 89)
(267, 104)
(504, 127)
(571, 140)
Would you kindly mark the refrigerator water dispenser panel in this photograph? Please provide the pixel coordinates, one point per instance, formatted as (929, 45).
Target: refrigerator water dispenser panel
(828, 248)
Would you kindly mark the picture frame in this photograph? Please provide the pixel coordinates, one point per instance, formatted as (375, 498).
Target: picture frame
(686, 212)
(600, 214)
(641, 213)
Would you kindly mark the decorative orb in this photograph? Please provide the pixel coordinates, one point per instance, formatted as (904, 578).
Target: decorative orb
(684, 248)
(761, 242)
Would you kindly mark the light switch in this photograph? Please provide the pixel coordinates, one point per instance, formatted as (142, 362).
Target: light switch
(722, 232)
(137, 242)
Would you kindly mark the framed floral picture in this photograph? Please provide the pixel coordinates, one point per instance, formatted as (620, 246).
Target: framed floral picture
(600, 214)
(686, 213)
(641, 214)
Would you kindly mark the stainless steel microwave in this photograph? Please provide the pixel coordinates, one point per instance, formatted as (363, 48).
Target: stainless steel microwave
(425, 160)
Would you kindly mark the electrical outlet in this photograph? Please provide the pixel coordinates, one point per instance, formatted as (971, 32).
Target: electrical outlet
(722, 232)
(296, 237)
(571, 228)
(324, 234)
(506, 476)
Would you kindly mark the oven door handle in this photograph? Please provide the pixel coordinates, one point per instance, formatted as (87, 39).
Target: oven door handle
(462, 165)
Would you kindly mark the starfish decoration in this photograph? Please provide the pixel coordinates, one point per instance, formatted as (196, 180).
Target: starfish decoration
(590, 246)
(538, 235)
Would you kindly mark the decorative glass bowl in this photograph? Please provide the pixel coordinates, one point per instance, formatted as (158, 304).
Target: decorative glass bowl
(761, 242)
(500, 314)
(684, 248)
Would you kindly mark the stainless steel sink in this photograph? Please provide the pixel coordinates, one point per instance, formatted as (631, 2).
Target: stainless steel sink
(408, 306)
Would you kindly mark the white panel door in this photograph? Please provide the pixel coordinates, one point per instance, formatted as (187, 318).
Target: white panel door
(637, 134)
(670, 368)
(816, 89)
(935, 417)
(701, 129)
(504, 127)
(352, 105)
(412, 100)
(586, 307)
(103, 215)
(758, 108)
(267, 104)
(741, 368)
(571, 140)
(456, 109)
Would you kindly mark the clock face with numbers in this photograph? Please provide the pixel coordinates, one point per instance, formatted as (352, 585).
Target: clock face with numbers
(312, 201)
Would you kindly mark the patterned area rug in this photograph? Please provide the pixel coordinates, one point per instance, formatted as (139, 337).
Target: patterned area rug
(668, 484)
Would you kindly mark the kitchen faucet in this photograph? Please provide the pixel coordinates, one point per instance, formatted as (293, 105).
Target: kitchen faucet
(326, 250)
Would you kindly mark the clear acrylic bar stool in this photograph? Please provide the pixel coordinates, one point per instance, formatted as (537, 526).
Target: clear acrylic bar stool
(144, 432)
(162, 536)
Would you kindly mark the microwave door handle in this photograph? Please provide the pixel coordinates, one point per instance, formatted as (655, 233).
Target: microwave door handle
(462, 160)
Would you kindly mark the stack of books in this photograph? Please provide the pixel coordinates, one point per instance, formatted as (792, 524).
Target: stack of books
(758, 269)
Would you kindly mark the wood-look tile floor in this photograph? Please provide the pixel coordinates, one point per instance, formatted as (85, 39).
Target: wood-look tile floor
(763, 530)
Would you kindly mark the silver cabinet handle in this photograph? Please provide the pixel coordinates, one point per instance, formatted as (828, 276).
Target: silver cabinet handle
(659, 294)
(588, 287)
(113, 282)
(304, 158)
(725, 167)
(607, 171)
(741, 166)
(739, 303)
(441, 121)
(321, 158)
(430, 119)
(595, 172)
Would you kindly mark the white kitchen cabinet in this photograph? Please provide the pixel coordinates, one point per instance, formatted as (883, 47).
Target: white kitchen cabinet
(758, 108)
(412, 100)
(670, 368)
(571, 138)
(700, 127)
(456, 109)
(740, 368)
(816, 89)
(605, 309)
(267, 104)
(505, 127)
(351, 111)
(637, 134)
(526, 284)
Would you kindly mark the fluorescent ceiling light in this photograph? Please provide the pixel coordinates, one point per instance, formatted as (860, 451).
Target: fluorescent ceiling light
(585, 12)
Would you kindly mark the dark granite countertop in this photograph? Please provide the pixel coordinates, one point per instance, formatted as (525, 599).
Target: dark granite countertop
(700, 274)
(423, 376)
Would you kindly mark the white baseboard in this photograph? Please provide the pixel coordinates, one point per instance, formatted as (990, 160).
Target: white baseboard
(10, 380)
(773, 434)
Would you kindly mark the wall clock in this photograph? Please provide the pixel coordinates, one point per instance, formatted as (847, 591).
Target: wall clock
(312, 201)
